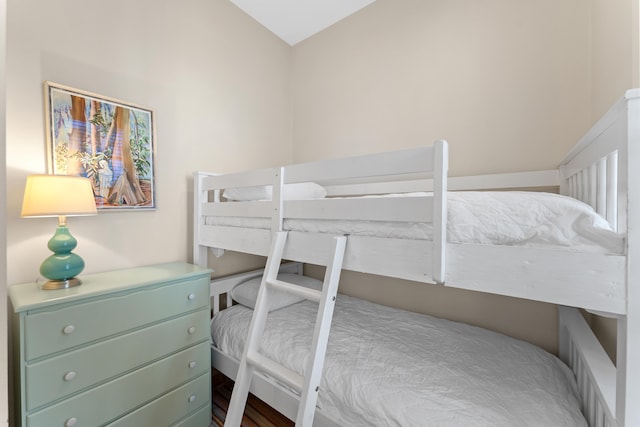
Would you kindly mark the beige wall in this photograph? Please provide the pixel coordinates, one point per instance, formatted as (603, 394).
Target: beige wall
(614, 52)
(506, 83)
(510, 85)
(219, 84)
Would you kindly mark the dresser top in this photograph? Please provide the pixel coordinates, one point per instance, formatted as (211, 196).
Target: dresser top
(28, 296)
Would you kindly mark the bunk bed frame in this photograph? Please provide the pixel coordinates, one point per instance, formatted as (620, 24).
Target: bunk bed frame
(598, 171)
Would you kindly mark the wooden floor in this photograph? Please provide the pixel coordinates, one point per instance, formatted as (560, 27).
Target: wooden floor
(256, 413)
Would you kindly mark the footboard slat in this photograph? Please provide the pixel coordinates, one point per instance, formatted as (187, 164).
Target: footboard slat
(601, 191)
(599, 417)
(612, 190)
(593, 185)
(592, 405)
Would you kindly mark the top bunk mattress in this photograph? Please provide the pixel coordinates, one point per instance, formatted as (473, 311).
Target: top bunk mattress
(516, 218)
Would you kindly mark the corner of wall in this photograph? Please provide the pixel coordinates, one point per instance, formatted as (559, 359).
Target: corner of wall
(4, 367)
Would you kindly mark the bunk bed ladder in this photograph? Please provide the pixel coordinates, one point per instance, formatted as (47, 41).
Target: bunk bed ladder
(309, 384)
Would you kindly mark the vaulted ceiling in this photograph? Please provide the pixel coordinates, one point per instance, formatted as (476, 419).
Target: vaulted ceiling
(296, 20)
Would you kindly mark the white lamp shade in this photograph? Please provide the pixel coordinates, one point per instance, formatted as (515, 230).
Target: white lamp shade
(54, 195)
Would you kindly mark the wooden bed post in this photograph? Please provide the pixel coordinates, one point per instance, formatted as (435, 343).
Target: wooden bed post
(199, 251)
(277, 197)
(440, 170)
(628, 354)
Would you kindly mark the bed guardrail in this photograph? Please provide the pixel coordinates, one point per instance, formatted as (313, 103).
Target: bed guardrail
(421, 163)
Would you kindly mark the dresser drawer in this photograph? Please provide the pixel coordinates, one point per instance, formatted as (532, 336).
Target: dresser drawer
(108, 401)
(202, 418)
(172, 407)
(70, 372)
(51, 331)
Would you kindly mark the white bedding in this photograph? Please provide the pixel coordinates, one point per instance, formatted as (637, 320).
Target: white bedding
(498, 218)
(388, 367)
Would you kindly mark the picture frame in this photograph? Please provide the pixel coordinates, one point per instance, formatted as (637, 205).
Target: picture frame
(107, 140)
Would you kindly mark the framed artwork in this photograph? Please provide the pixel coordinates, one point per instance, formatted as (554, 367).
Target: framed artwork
(111, 142)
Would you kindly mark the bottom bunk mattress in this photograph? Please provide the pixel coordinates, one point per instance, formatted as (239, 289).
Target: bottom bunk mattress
(389, 367)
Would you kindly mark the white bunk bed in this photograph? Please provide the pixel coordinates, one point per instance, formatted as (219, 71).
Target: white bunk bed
(597, 171)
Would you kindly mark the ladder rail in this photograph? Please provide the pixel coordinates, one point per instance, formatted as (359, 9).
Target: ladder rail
(258, 320)
(307, 385)
(315, 364)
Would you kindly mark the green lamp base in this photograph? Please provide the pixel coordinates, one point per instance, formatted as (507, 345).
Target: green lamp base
(62, 267)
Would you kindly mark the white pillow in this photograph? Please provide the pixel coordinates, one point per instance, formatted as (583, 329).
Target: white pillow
(246, 293)
(295, 191)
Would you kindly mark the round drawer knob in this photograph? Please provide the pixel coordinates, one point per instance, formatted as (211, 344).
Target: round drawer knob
(71, 422)
(69, 375)
(192, 365)
(192, 330)
(69, 329)
(191, 297)
(192, 398)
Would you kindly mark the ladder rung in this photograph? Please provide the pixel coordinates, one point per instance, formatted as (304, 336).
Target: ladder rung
(279, 372)
(301, 291)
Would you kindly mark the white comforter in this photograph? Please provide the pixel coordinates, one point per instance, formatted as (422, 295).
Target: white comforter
(482, 217)
(387, 367)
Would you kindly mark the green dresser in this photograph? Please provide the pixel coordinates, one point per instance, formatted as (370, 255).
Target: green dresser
(126, 348)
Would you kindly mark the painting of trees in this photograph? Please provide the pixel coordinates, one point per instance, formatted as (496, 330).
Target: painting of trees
(105, 140)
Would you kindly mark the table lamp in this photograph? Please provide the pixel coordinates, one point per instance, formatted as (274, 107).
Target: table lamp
(61, 196)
